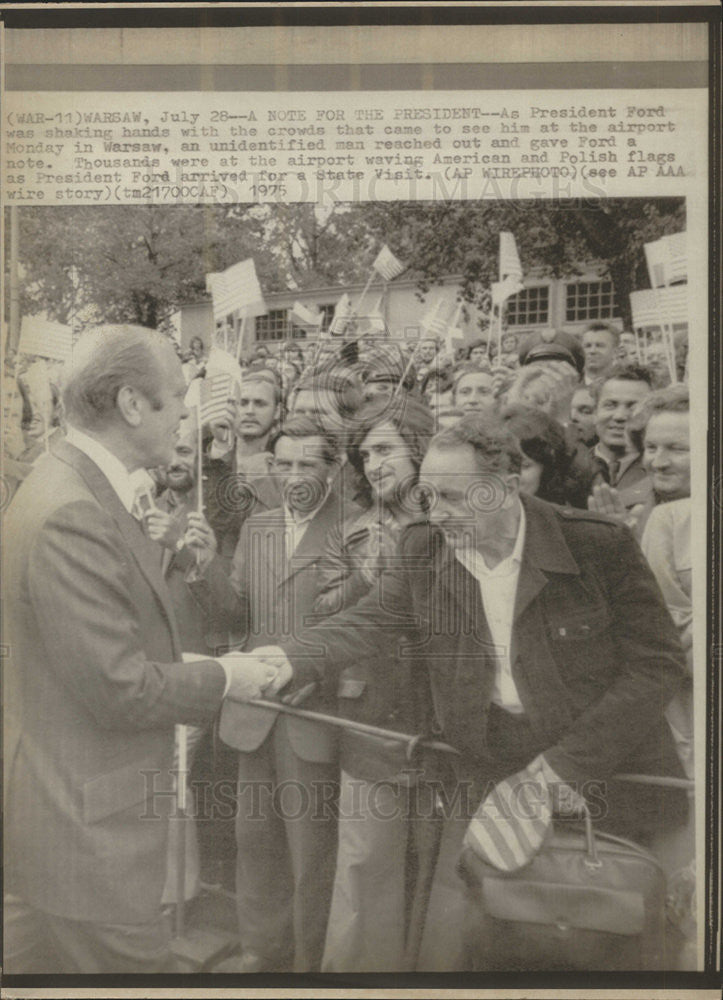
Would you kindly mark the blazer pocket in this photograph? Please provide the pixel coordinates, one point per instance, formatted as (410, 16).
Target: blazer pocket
(114, 792)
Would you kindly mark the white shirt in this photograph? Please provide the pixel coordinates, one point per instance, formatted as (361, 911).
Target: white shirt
(122, 482)
(498, 590)
(295, 525)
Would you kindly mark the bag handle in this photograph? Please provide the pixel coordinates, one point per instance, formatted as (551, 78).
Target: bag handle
(592, 861)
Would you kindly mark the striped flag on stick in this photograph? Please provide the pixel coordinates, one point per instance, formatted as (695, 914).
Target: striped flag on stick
(214, 396)
(387, 264)
(501, 291)
(302, 316)
(46, 339)
(342, 315)
(432, 322)
(236, 288)
(660, 306)
(667, 259)
(510, 266)
(510, 826)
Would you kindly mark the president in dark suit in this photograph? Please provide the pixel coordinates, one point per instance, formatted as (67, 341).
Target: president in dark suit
(94, 676)
(545, 639)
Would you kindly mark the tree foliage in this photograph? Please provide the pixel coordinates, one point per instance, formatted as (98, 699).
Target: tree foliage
(139, 264)
(556, 239)
(125, 263)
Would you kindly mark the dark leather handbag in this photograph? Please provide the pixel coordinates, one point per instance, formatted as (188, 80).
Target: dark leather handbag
(587, 900)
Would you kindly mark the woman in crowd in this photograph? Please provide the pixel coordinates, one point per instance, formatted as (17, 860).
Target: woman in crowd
(367, 919)
(533, 386)
(436, 391)
(548, 468)
(582, 415)
(473, 388)
(477, 352)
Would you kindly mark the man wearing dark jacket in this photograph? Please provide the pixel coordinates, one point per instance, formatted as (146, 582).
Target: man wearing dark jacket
(285, 863)
(546, 642)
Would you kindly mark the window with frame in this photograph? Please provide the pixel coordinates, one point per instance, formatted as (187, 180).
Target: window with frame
(530, 307)
(588, 300)
(273, 326)
(327, 311)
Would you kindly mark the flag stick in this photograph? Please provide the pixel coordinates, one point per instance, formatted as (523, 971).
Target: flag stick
(457, 314)
(666, 329)
(405, 373)
(199, 460)
(499, 334)
(242, 333)
(638, 348)
(361, 297)
(182, 733)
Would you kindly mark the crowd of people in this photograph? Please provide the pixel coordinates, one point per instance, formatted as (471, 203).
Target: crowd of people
(491, 552)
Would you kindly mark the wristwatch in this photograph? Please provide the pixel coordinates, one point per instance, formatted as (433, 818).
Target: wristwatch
(179, 544)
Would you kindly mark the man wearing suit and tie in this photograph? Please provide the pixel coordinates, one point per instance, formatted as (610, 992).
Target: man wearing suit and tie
(94, 677)
(547, 644)
(286, 844)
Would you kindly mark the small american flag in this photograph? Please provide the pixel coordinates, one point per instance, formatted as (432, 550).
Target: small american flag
(503, 290)
(45, 339)
(667, 260)
(510, 826)
(510, 266)
(301, 316)
(432, 322)
(236, 288)
(659, 306)
(387, 264)
(342, 312)
(214, 395)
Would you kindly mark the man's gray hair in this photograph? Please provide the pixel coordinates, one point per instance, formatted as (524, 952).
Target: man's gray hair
(103, 361)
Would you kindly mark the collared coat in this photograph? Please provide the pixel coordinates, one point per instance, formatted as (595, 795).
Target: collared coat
(595, 656)
(94, 685)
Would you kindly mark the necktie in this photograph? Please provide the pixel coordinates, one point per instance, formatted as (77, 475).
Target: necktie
(614, 470)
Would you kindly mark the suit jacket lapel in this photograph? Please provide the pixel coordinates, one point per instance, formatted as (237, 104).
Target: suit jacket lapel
(545, 551)
(143, 550)
(313, 542)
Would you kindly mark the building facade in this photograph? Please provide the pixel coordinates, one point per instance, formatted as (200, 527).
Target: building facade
(568, 304)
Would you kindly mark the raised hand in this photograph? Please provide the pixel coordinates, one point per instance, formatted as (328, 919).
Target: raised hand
(163, 528)
(606, 500)
(222, 429)
(200, 538)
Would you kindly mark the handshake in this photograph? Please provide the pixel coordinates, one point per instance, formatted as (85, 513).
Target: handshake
(261, 673)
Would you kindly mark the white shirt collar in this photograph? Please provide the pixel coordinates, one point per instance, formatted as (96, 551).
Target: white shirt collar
(109, 464)
(474, 561)
(293, 517)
